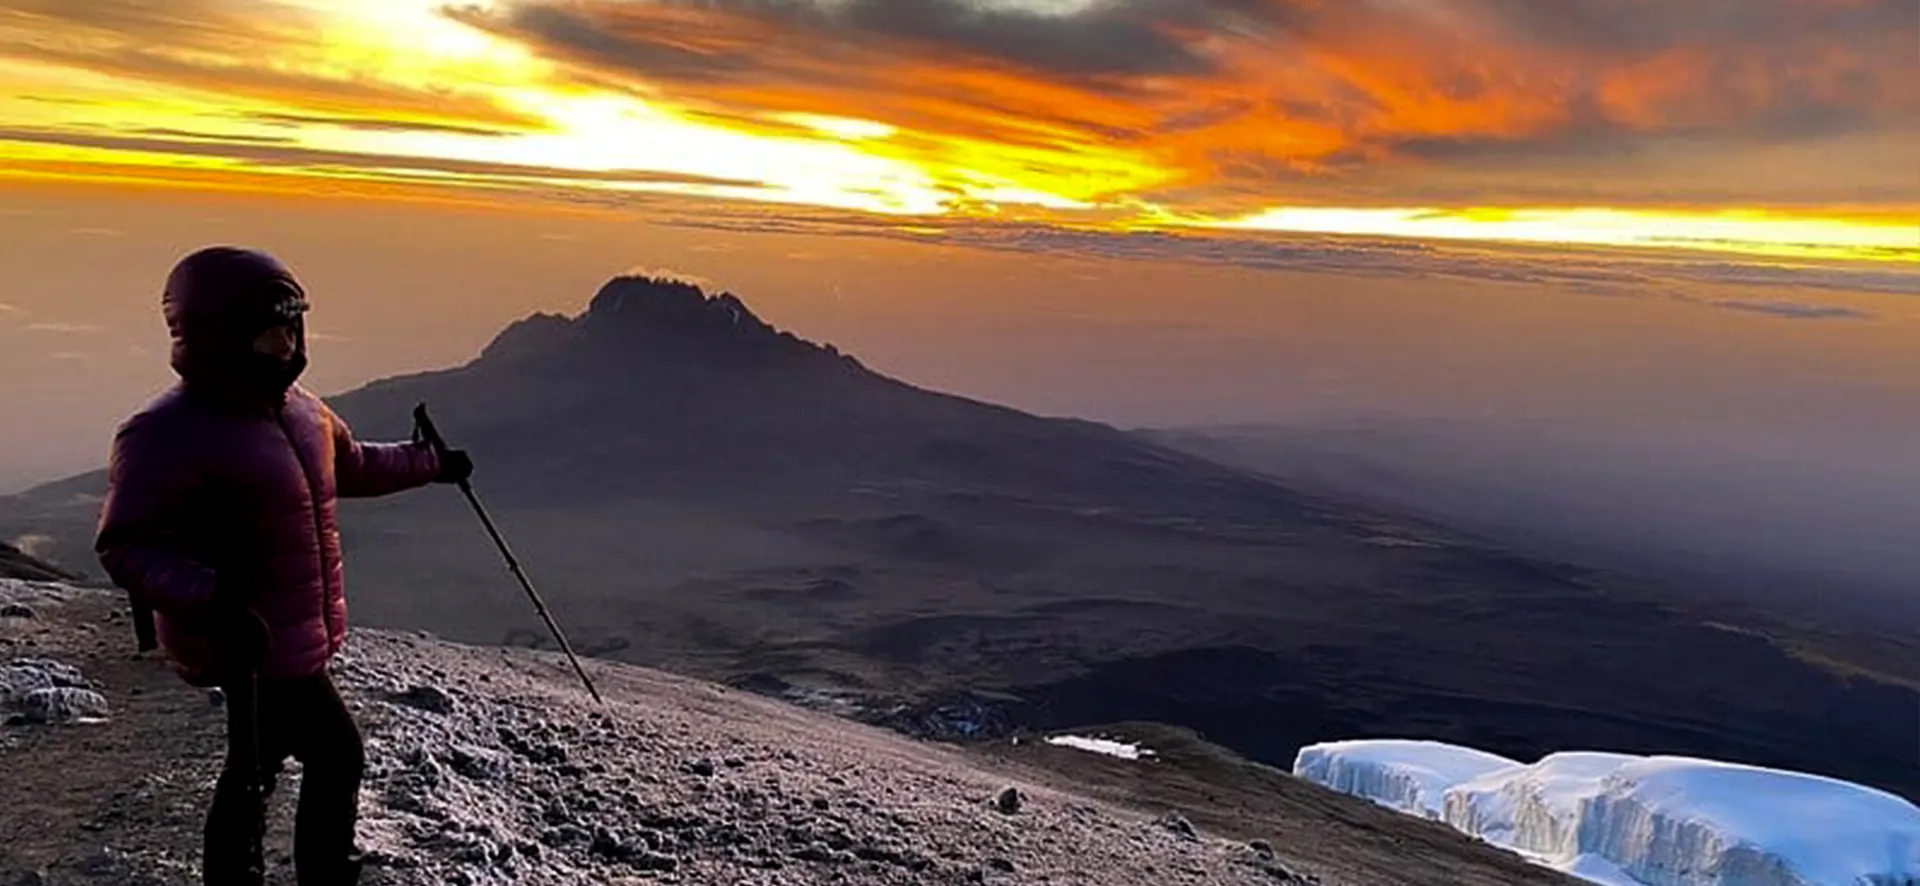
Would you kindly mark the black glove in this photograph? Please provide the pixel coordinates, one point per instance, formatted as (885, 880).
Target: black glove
(242, 635)
(455, 466)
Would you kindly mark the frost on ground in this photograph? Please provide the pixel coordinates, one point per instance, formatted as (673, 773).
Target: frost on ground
(42, 690)
(493, 766)
(486, 767)
(18, 597)
(1410, 776)
(1663, 821)
(1104, 746)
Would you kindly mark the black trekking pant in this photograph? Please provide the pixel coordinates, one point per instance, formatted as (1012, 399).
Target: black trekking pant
(303, 718)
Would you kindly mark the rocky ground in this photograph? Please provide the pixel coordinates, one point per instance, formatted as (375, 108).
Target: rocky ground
(492, 766)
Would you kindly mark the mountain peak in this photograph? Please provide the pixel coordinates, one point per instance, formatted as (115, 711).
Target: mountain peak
(650, 317)
(655, 304)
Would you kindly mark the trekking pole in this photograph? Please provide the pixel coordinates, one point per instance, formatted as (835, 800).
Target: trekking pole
(432, 435)
(247, 719)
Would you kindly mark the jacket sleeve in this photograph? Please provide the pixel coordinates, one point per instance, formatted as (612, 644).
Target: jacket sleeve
(365, 470)
(150, 488)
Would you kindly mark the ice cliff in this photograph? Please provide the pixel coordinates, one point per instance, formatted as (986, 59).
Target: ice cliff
(1657, 821)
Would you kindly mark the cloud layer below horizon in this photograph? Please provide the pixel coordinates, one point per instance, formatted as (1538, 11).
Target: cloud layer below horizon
(1803, 114)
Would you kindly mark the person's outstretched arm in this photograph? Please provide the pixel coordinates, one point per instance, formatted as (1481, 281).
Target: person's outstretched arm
(150, 484)
(365, 470)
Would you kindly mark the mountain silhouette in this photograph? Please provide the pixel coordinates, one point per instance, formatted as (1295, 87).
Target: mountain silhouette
(695, 489)
(660, 388)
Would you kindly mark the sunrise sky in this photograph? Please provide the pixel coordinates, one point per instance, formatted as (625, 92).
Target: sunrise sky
(1762, 127)
(1666, 252)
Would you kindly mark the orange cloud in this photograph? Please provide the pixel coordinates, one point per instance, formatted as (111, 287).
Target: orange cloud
(1282, 93)
(272, 55)
(1111, 113)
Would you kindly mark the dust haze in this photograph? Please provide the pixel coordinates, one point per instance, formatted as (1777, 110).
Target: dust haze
(1804, 522)
(1732, 449)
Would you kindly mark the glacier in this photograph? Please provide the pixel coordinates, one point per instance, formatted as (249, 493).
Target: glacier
(1531, 809)
(1409, 776)
(1628, 820)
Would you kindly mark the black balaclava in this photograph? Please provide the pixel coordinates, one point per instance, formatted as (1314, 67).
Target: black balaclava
(217, 301)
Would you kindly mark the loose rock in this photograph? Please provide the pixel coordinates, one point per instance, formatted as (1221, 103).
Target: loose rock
(22, 676)
(427, 698)
(1180, 826)
(64, 704)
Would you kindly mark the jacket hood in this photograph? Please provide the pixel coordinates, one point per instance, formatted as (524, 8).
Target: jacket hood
(217, 301)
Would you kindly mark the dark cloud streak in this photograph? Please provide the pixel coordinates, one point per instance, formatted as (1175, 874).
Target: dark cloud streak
(1791, 310)
(1126, 38)
(1650, 26)
(1596, 271)
(369, 124)
(274, 154)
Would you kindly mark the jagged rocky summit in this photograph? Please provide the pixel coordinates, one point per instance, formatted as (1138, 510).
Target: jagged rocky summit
(646, 318)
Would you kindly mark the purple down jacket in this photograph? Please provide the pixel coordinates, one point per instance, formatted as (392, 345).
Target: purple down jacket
(237, 472)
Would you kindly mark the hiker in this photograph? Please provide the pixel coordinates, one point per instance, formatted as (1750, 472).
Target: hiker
(221, 519)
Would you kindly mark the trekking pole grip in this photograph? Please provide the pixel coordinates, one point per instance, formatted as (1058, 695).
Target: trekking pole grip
(424, 424)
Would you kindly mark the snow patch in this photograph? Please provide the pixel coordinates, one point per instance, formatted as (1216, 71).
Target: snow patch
(1107, 746)
(1407, 776)
(1626, 820)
